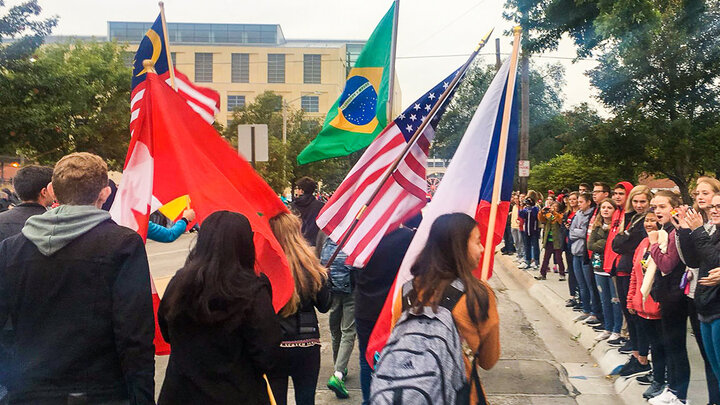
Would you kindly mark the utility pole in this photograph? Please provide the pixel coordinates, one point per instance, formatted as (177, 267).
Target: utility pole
(498, 62)
(524, 160)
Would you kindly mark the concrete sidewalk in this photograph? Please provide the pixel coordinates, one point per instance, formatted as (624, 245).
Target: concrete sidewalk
(552, 294)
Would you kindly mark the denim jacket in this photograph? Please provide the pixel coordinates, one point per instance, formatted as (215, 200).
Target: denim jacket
(340, 273)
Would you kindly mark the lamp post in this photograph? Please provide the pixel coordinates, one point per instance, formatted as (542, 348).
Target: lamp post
(285, 106)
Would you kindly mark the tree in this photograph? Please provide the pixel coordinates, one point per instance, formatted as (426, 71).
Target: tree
(545, 105)
(26, 33)
(71, 97)
(282, 169)
(567, 171)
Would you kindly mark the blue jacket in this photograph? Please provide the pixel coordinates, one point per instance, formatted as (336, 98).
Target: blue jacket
(166, 235)
(340, 273)
(530, 216)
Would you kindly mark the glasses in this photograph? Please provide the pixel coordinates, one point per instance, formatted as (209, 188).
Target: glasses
(715, 207)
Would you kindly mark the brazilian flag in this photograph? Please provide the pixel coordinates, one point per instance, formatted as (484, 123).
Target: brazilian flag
(360, 113)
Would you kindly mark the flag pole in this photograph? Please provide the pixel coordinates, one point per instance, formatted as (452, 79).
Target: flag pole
(393, 49)
(167, 45)
(409, 144)
(502, 151)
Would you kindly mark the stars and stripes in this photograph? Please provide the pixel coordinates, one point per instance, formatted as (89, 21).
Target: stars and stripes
(400, 198)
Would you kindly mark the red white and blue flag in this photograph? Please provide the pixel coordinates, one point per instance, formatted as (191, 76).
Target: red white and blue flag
(402, 196)
(463, 190)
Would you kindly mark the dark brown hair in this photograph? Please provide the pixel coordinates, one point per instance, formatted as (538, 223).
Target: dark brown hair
(445, 258)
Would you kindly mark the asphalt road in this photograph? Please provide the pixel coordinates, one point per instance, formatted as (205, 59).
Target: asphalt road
(540, 363)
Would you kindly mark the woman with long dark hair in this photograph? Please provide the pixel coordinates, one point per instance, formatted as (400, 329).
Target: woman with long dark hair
(453, 250)
(299, 355)
(218, 316)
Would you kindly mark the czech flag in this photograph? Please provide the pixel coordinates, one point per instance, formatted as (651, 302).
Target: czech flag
(463, 190)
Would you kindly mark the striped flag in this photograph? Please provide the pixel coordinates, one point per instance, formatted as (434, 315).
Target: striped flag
(462, 189)
(400, 198)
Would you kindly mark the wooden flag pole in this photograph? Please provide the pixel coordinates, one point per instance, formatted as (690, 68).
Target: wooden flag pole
(502, 151)
(410, 143)
(393, 48)
(167, 46)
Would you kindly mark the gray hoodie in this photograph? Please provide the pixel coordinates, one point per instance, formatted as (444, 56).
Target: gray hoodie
(578, 231)
(56, 228)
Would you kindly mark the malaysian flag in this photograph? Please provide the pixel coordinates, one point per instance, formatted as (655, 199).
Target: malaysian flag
(401, 197)
(204, 101)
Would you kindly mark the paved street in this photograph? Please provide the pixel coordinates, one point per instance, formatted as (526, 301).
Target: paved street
(540, 362)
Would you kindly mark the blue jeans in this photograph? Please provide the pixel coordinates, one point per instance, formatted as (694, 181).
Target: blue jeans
(610, 303)
(711, 340)
(364, 329)
(586, 284)
(532, 248)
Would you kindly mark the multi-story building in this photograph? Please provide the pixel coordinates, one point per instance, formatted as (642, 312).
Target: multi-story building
(241, 61)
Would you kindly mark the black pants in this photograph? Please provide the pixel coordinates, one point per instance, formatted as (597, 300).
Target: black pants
(649, 336)
(572, 281)
(508, 240)
(303, 365)
(710, 377)
(364, 330)
(623, 286)
(674, 330)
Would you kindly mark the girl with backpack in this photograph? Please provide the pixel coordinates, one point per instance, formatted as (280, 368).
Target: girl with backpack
(553, 238)
(612, 313)
(444, 296)
(218, 316)
(299, 355)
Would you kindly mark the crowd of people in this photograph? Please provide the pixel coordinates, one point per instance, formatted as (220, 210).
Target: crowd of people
(77, 318)
(639, 266)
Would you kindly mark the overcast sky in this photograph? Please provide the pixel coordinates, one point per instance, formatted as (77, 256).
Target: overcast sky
(428, 30)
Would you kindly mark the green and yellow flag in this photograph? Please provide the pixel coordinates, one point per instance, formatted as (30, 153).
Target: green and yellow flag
(360, 114)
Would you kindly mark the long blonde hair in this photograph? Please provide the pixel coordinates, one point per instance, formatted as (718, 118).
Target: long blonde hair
(306, 269)
(714, 185)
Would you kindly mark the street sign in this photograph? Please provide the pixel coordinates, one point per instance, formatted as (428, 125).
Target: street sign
(523, 168)
(253, 142)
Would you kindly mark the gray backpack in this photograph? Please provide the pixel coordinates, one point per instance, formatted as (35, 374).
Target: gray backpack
(422, 362)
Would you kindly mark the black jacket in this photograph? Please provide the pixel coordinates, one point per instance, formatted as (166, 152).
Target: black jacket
(303, 324)
(626, 242)
(12, 221)
(221, 363)
(707, 299)
(373, 282)
(82, 319)
(308, 207)
(666, 288)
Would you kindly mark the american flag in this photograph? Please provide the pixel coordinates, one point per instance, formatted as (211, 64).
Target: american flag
(400, 198)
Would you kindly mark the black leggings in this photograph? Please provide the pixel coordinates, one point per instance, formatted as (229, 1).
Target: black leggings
(303, 365)
(649, 336)
(674, 330)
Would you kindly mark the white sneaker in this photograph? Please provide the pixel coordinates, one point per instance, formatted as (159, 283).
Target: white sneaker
(667, 397)
(614, 336)
(602, 335)
(523, 266)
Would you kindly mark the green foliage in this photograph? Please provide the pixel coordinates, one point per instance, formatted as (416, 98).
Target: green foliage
(282, 170)
(568, 170)
(545, 105)
(26, 33)
(71, 97)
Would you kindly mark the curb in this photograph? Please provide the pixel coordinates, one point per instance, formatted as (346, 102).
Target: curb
(608, 358)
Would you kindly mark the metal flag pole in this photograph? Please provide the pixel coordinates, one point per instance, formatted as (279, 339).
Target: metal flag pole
(393, 49)
(167, 46)
(502, 151)
(410, 143)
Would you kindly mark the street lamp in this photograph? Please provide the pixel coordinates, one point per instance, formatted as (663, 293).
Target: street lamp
(285, 105)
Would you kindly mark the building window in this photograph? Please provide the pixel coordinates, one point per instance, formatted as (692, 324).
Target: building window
(240, 68)
(276, 68)
(310, 103)
(311, 68)
(203, 67)
(234, 102)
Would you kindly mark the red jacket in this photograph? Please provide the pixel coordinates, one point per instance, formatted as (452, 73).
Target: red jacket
(610, 258)
(651, 310)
